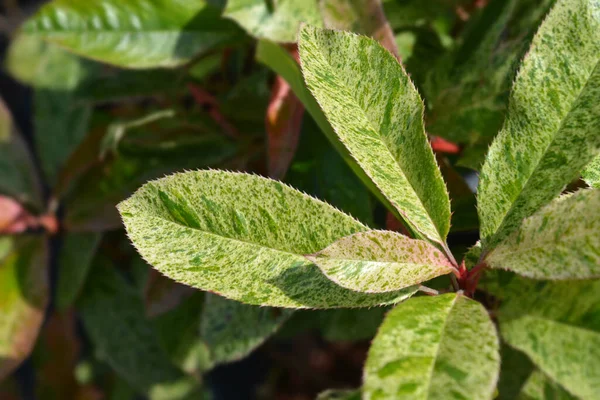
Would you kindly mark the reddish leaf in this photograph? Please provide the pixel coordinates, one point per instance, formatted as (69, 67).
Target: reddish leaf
(283, 124)
(440, 145)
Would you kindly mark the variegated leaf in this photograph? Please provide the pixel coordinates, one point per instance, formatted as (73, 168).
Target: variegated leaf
(551, 130)
(591, 174)
(377, 115)
(380, 261)
(556, 324)
(339, 395)
(441, 347)
(560, 241)
(566, 353)
(360, 16)
(277, 21)
(243, 237)
(540, 387)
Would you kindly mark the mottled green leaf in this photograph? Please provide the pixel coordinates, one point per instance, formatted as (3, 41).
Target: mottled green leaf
(441, 347)
(232, 330)
(74, 262)
(23, 297)
(19, 176)
(591, 174)
(557, 324)
(134, 33)
(540, 387)
(380, 261)
(551, 130)
(365, 17)
(113, 316)
(567, 354)
(277, 20)
(243, 237)
(339, 395)
(348, 75)
(560, 241)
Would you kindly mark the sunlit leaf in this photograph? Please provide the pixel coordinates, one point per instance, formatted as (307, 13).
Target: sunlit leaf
(432, 347)
(205, 225)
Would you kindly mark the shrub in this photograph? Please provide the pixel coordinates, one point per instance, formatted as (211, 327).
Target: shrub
(245, 256)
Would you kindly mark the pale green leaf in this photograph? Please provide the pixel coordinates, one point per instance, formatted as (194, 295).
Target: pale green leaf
(23, 297)
(232, 330)
(339, 395)
(74, 262)
(557, 325)
(113, 315)
(566, 353)
(273, 20)
(441, 347)
(591, 174)
(19, 176)
(365, 17)
(380, 261)
(551, 130)
(243, 237)
(540, 387)
(560, 241)
(349, 75)
(134, 33)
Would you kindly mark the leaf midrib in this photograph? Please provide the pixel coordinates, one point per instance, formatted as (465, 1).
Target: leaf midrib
(439, 345)
(538, 162)
(379, 139)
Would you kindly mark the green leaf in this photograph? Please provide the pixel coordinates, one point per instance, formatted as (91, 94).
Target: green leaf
(113, 316)
(365, 17)
(567, 354)
(515, 369)
(551, 130)
(441, 347)
(339, 187)
(19, 176)
(232, 330)
(61, 121)
(350, 325)
(380, 261)
(91, 202)
(339, 395)
(556, 324)
(591, 174)
(347, 74)
(560, 241)
(277, 21)
(23, 297)
(200, 228)
(134, 33)
(540, 387)
(74, 262)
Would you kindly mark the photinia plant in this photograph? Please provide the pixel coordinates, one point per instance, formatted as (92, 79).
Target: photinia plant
(261, 242)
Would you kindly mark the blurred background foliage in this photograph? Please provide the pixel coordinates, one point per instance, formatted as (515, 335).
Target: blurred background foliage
(100, 96)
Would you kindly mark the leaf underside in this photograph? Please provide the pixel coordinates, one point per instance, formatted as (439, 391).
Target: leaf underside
(380, 261)
(243, 237)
